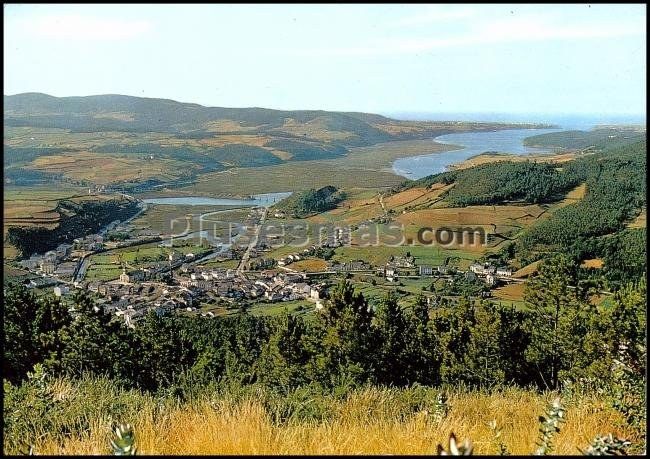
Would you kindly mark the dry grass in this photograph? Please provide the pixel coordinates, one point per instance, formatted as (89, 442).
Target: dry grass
(404, 197)
(526, 270)
(316, 128)
(592, 263)
(473, 215)
(310, 265)
(364, 425)
(122, 116)
(511, 292)
(572, 196)
(640, 221)
(105, 169)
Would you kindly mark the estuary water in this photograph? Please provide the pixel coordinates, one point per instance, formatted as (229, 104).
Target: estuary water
(504, 141)
(472, 144)
(257, 200)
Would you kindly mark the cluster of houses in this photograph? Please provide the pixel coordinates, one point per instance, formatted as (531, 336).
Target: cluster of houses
(285, 261)
(90, 243)
(139, 291)
(490, 273)
(398, 266)
(52, 262)
(132, 301)
(268, 286)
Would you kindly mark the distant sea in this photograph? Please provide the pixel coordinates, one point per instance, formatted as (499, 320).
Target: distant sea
(565, 121)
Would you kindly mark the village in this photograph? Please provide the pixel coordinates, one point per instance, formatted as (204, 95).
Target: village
(185, 279)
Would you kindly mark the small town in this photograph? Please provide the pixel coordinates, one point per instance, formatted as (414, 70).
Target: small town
(182, 281)
(325, 229)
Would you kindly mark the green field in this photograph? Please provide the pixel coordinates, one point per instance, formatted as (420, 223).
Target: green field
(103, 272)
(380, 255)
(216, 264)
(137, 256)
(171, 219)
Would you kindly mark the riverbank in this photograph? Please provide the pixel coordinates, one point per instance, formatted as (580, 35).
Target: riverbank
(471, 144)
(485, 158)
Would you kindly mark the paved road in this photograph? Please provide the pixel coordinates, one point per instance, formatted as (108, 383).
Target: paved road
(253, 242)
(81, 272)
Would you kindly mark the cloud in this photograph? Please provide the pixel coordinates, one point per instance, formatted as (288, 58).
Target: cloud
(78, 27)
(510, 30)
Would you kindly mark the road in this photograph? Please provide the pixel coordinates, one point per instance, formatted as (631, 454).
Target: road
(253, 242)
(381, 201)
(83, 266)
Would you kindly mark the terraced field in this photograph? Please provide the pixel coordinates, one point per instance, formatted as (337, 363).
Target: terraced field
(104, 169)
(33, 206)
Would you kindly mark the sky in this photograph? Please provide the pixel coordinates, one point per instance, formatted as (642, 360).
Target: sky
(383, 58)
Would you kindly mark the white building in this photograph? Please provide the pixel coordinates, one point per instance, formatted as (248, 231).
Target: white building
(124, 277)
(477, 268)
(60, 290)
(504, 271)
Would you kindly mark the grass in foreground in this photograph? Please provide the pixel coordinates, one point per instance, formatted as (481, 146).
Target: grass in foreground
(78, 418)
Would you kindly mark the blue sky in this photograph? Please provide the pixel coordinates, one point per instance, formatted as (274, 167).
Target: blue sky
(376, 58)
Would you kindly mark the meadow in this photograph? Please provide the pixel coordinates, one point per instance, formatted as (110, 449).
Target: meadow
(159, 217)
(425, 255)
(108, 265)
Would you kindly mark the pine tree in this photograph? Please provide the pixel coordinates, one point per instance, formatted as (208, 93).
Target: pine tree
(96, 343)
(391, 352)
(51, 326)
(19, 313)
(559, 319)
(422, 346)
(281, 363)
(344, 346)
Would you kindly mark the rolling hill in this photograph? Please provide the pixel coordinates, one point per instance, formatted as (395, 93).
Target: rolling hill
(60, 137)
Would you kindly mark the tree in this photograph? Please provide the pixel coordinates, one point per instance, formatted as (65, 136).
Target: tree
(96, 343)
(559, 318)
(483, 358)
(391, 333)
(19, 315)
(160, 351)
(452, 327)
(35, 329)
(342, 338)
(281, 363)
(51, 326)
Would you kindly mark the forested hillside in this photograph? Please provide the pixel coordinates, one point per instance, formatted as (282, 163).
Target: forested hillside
(312, 201)
(616, 193)
(598, 139)
(500, 182)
